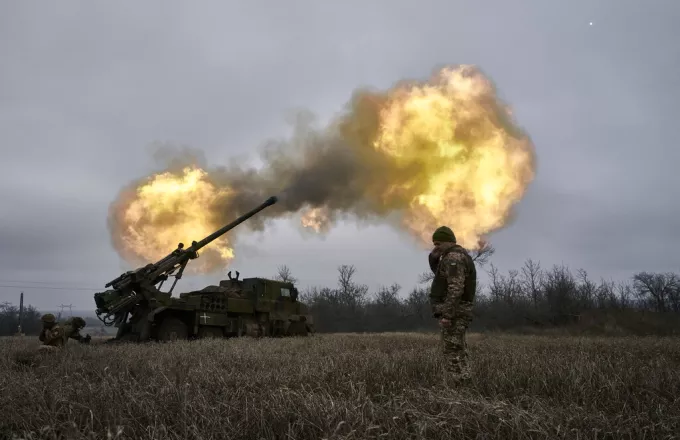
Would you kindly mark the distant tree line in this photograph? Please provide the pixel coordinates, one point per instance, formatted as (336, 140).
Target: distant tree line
(9, 320)
(526, 299)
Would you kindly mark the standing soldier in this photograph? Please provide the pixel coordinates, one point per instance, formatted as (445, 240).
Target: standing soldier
(54, 336)
(452, 295)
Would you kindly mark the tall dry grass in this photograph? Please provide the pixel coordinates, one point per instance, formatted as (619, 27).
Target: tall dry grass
(343, 387)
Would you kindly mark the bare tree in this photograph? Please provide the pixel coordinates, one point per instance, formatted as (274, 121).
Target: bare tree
(483, 253)
(351, 293)
(624, 293)
(495, 283)
(586, 289)
(388, 296)
(507, 288)
(604, 295)
(512, 287)
(345, 275)
(425, 277)
(532, 278)
(660, 288)
(559, 289)
(284, 274)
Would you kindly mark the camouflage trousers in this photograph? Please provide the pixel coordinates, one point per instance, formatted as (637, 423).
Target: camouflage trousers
(454, 349)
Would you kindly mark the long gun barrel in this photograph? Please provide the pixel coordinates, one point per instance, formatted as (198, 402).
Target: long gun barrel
(196, 246)
(180, 255)
(132, 284)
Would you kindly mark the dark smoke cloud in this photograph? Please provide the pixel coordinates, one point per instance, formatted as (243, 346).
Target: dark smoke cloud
(328, 167)
(335, 167)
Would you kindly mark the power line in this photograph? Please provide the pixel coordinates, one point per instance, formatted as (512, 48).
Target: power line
(47, 286)
(33, 282)
(90, 289)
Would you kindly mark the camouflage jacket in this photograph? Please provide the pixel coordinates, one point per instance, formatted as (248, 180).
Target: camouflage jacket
(58, 335)
(453, 288)
(53, 336)
(71, 330)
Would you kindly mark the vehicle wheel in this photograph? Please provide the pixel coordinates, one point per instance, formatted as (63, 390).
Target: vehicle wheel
(172, 329)
(297, 328)
(210, 332)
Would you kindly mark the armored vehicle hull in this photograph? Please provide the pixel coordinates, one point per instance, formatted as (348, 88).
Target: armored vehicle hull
(255, 307)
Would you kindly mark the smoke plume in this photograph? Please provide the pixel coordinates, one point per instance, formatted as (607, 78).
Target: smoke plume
(418, 155)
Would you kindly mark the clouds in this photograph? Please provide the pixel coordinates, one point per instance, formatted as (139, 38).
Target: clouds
(85, 89)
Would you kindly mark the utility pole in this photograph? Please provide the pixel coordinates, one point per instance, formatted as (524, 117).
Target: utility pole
(21, 313)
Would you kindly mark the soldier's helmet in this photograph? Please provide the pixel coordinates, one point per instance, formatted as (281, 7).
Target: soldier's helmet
(48, 317)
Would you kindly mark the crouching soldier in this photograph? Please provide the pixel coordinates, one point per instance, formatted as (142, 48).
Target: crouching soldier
(54, 336)
(72, 328)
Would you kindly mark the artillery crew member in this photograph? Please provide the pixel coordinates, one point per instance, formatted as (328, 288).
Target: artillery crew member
(54, 335)
(451, 296)
(72, 328)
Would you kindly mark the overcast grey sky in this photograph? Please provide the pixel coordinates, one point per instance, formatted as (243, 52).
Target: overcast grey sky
(86, 87)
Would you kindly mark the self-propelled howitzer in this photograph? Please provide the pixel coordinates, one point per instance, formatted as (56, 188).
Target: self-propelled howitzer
(158, 315)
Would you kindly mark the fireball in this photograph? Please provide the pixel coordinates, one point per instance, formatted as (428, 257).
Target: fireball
(440, 152)
(167, 209)
(471, 169)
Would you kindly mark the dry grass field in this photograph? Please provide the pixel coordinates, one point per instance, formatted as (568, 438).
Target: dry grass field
(343, 387)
